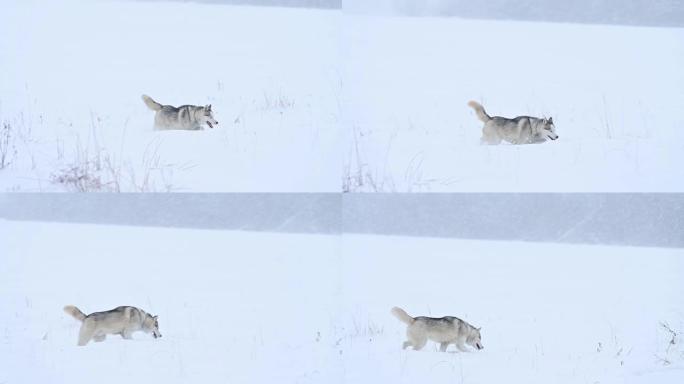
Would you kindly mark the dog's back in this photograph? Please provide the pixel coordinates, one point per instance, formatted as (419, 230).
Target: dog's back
(119, 315)
(441, 329)
(517, 130)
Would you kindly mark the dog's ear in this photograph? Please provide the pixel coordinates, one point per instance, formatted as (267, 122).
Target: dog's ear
(209, 107)
(155, 317)
(478, 329)
(550, 120)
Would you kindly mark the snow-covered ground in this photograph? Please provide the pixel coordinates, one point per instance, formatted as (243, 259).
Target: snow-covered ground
(615, 94)
(72, 74)
(263, 308)
(232, 306)
(319, 100)
(549, 313)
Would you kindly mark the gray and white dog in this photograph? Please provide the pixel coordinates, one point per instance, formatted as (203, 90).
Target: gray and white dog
(122, 321)
(444, 330)
(519, 130)
(185, 117)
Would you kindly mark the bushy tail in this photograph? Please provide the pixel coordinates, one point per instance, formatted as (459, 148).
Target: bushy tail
(402, 316)
(480, 111)
(151, 104)
(75, 312)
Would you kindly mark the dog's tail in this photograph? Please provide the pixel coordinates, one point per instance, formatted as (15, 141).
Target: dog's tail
(151, 104)
(402, 316)
(480, 111)
(75, 312)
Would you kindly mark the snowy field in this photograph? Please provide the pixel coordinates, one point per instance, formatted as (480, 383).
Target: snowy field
(232, 306)
(549, 313)
(72, 74)
(264, 308)
(615, 94)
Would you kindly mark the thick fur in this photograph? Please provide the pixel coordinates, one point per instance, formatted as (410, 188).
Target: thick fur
(402, 316)
(519, 130)
(444, 330)
(151, 104)
(75, 312)
(185, 117)
(122, 321)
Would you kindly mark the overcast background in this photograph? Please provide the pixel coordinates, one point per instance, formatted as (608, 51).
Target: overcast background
(331, 4)
(629, 12)
(610, 219)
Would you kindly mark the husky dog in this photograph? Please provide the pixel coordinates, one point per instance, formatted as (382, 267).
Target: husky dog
(186, 117)
(520, 130)
(444, 330)
(119, 321)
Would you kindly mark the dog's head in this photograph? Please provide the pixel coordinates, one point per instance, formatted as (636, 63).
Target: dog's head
(208, 116)
(548, 129)
(474, 339)
(152, 325)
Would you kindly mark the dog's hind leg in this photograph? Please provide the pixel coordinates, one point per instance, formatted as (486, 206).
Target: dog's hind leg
(417, 337)
(417, 340)
(443, 347)
(419, 344)
(85, 334)
(490, 136)
(493, 139)
(100, 337)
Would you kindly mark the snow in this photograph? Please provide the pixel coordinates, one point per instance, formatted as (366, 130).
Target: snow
(549, 313)
(232, 306)
(297, 288)
(261, 307)
(614, 92)
(313, 100)
(72, 74)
